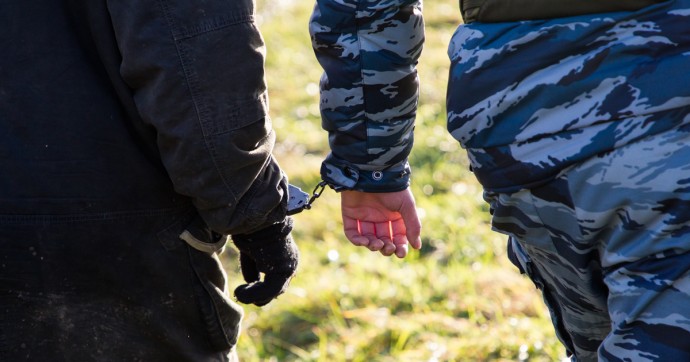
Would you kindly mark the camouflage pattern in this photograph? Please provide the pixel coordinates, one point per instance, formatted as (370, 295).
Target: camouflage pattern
(579, 130)
(527, 99)
(369, 89)
(608, 242)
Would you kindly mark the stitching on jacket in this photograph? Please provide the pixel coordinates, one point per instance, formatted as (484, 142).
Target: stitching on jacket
(213, 25)
(53, 219)
(194, 94)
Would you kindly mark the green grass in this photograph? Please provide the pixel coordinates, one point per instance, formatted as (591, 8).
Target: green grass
(458, 299)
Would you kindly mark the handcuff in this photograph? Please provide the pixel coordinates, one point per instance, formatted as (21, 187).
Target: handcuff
(299, 200)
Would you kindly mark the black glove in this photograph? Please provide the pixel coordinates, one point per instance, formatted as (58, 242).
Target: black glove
(270, 251)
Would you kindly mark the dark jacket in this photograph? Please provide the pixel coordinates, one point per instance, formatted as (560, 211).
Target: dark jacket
(135, 107)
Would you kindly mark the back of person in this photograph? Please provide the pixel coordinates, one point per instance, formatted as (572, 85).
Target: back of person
(577, 126)
(70, 147)
(119, 130)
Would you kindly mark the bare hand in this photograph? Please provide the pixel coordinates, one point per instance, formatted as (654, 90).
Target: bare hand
(384, 222)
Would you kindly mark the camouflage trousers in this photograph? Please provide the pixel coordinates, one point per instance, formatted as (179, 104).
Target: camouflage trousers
(608, 244)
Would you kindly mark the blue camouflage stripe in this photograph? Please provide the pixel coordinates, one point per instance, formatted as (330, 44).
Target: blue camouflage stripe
(547, 94)
(369, 89)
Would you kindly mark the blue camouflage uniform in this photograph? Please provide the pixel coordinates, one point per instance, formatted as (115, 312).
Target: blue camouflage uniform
(369, 90)
(579, 130)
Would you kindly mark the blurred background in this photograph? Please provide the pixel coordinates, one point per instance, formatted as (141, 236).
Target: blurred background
(458, 299)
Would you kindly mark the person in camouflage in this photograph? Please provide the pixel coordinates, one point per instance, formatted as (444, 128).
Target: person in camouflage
(369, 91)
(578, 128)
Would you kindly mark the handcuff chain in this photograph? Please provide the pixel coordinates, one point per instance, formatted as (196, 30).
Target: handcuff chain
(318, 190)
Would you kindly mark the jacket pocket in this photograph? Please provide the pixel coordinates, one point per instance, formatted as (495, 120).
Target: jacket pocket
(221, 315)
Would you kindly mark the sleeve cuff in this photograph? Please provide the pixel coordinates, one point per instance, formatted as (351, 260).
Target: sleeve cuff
(342, 175)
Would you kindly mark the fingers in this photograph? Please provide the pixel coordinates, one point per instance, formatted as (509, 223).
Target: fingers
(261, 293)
(362, 233)
(388, 237)
(384, 222)
(401, 246)
(353, 232)
(413, 227)
(400, 240)
(384, 233)
(250, 272)
(387, 232)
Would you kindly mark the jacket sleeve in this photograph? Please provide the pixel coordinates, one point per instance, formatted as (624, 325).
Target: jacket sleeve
(196, 72)
(369, 89)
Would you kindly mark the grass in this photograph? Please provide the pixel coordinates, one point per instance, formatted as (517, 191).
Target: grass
(458, 299)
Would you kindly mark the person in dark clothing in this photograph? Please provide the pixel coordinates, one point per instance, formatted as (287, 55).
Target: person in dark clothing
(135, 138)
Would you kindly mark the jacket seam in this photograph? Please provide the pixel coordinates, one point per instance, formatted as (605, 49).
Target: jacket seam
(10, 219)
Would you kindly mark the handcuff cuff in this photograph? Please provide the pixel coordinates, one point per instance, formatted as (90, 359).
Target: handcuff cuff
(299, 200)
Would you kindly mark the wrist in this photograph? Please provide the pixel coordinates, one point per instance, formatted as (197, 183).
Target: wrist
(272, 233)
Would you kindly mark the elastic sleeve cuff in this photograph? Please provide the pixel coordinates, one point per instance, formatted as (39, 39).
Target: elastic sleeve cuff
(342, 175)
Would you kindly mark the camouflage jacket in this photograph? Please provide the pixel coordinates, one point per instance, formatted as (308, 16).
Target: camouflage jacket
(528, 99)
(369, 90)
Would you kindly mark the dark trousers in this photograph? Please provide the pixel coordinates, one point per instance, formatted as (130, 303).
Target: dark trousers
(110, 288)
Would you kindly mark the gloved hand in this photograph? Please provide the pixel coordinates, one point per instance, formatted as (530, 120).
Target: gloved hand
(270, 251)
